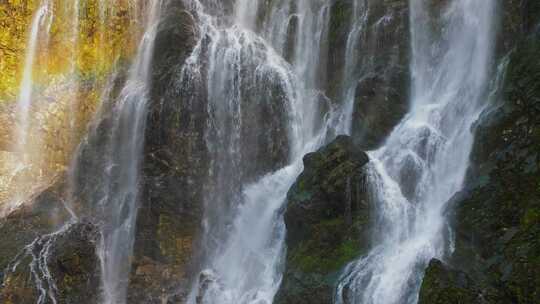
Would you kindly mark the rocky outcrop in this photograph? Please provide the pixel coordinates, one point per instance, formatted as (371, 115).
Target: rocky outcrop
(173, 163)
(43, 214)
(35, 240)
(497, 217)
(62, 265)
(326, 218)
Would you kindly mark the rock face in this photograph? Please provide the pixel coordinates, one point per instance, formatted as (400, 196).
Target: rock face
(497, 217)
(44, 215)
(170, 208)
(62, 265)
(382, 91)
(174, 161)
(326, 218)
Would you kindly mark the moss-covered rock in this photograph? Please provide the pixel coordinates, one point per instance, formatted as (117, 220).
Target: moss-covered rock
(443, 285)
(326, 219)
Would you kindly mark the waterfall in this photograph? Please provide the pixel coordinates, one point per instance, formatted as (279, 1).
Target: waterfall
(39, 29)
(236, 267)
(39, 32)
(243, 68)
(260, 68)
(119, 206)
(358, 29)
(424, 160)
(73, 106)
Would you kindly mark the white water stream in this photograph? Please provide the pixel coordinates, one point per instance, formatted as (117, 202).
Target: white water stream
(246, 55)
(119, 208)
(38, 36)
(424, 161)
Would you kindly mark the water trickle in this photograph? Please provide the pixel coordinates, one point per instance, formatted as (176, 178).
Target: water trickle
(39, 254)
(424, 160)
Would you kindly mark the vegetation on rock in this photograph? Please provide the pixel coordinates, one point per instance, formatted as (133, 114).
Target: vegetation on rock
(327, 220)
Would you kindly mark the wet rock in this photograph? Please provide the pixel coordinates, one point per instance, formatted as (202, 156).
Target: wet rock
(381, 78)
(61, 265)
(207, 281)
(443, 285)
(381, 102)
(156, 282)
(43, 213)
(496, 217)
(327, 219)
(173, 168)
(341, 14)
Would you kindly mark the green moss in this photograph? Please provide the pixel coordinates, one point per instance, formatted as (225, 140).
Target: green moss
(326, 251)
(339, 20)
(531, 217)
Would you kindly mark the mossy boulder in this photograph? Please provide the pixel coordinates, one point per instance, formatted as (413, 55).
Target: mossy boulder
(443, 285)
(327, 219)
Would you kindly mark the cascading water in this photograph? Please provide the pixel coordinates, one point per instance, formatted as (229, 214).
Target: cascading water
(243, 244)
(39, 32)
(259, 67)
(40, 27)
(424, 160)
(239, 268)
(73, 62)
(118, 208)
(116, 211)
(358, 28)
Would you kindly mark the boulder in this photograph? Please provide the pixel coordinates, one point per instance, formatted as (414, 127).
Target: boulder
(327, 220)
(443, 285)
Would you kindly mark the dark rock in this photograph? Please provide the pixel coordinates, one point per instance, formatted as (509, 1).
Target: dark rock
(173, 163)
(381, 102)
(327, 218)
(74, 265)
(443, 285)
(62, 265)
(43, 214)
(383, 79)
(341, 13)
